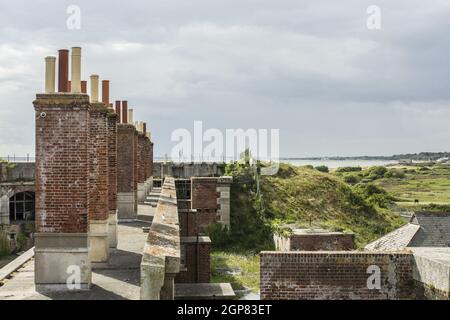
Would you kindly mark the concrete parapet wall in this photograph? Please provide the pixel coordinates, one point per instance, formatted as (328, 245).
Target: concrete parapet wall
(186, 170)
(10, 172)
(161, 256)
(432, 270)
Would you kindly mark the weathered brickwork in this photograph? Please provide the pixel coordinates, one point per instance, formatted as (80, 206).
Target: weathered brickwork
(135, 158)
(112, 160)
(316, 242)
(150, 164)
(62, 163)
(125, 158)
(99, 168)
(204, 193)
(196, 258)
(141, 158)
(334, 275)
(193, 222)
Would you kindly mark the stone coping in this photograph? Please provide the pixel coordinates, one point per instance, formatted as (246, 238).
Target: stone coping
(14, 265)
(161, 254)
(203, 291)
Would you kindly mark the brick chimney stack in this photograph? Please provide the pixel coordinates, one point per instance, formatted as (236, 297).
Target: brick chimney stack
(76, 70)
(118, 111)
(105, 92)
(144, 127)
(63, 70)
(124, 111)
(50, 74)
(94, 88)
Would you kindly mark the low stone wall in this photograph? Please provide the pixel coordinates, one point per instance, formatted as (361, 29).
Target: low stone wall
(161, 257)
(335, 275)
(187, 170)
(19, 171)
(432, 272)
(315, 242)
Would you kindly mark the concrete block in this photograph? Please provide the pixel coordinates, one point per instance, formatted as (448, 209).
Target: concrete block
(62, 262)
(141, 192)
(126, 205)
(98, 241)
(112, 229)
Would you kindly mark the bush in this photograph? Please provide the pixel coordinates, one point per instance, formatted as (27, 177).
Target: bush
(21, 241)
(219, 234)
(322, 169)
(348, 169)
(374, 195)
(395, 173)
(4, 244)
(352, 179)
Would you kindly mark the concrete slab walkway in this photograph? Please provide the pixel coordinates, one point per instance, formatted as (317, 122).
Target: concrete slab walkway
(116, 281)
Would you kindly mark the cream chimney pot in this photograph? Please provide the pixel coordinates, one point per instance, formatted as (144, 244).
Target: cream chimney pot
(50, 63)
(76, 70)
(94, 88)
(130, 116)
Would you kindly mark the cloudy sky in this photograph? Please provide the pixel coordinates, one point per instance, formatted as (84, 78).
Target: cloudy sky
(309, 68)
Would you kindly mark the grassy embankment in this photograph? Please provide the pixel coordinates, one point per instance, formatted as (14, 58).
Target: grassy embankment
(300, 195)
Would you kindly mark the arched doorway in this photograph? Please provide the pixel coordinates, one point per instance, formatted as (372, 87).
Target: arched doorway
(21, 206)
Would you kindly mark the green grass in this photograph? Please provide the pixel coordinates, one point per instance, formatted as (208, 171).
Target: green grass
(247, 262)
(302, 196)
(428, 186)
(308, 197)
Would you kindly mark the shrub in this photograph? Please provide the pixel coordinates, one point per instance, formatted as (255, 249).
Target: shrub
(395, 173)
(219, 234)
(322, 169)
(21, 241)
(348, 169)
(352, 178)
(4, 244)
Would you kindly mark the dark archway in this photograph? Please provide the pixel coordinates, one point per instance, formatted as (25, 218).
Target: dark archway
(21, 206)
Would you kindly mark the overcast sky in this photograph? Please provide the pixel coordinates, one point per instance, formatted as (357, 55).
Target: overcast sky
(309, 68)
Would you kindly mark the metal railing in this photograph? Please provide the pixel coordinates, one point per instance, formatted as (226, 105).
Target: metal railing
(18, 158)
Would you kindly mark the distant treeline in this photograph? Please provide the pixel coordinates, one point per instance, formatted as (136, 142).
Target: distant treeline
(422, 156)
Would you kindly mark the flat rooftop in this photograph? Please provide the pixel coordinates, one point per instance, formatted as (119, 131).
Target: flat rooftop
(120, 280)
(321, 232)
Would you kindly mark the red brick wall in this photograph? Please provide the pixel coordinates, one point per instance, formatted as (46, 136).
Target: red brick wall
(125, 158)
(141, 156)
(62, 163)
(150, 170)
(148, 161)
(136, 159)
(197, 264)
(322, 242)
(204, 193)
(98, 169)
(193, 223)
(334, 275)
(112, 160)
